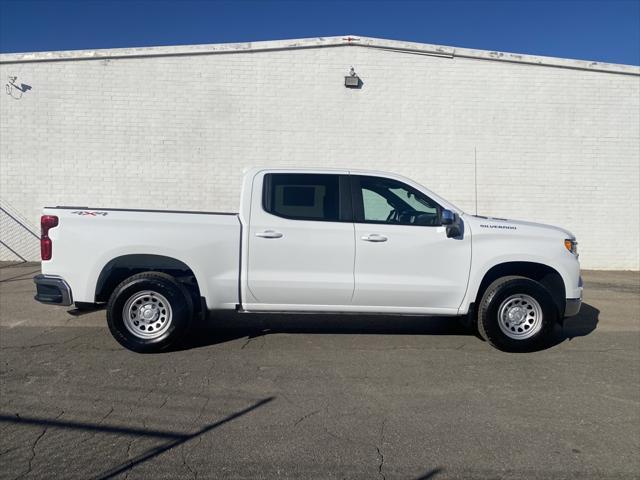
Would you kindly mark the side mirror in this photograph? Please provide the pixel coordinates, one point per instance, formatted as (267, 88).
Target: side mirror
(447, 217)
(453, 223)
(454, 231)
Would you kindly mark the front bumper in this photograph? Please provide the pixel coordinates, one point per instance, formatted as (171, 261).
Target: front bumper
(52, 290)
(572, 305)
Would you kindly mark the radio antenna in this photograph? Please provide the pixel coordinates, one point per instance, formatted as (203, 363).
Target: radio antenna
(475, 176)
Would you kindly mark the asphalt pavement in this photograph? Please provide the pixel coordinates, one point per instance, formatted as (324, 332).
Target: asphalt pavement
(319, 397)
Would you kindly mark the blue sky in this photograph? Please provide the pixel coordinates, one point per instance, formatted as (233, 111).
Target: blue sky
(593, 30)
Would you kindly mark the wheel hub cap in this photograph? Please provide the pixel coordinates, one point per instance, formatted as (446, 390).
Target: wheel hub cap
(520, 316)
(147, 314)
(517, 315)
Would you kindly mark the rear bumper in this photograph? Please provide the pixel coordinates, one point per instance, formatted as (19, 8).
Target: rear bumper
(52, 290)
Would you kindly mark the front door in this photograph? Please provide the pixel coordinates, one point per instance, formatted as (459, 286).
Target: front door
(301, 244)
(404, 259)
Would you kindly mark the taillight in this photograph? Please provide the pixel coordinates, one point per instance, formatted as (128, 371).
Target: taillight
(47, 222)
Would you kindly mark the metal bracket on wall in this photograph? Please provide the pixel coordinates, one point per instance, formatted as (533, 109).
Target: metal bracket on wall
(12, 88)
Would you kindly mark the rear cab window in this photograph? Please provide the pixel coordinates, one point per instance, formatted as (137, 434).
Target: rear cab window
(307, 196)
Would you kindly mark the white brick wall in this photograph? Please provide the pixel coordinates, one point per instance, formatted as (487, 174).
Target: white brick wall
(554, 145)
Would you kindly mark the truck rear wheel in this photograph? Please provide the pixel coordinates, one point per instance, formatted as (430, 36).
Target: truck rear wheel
(149, 312)
(516, 314)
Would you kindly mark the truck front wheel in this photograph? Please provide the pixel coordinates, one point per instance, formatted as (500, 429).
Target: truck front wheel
(149, 312)
(516, 314)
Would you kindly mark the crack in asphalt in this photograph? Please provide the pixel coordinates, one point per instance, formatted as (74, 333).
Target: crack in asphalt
(250, 339)
(106, 416)
(304, 417)
(33, 452)
(380, 455)
(164, 402)
(381, 463)
(205, 404)
(141, 397)
(129, 444)
(359, 442)
(194, 474)
(82, 440)
(29, 347)
(183, 453)
(33, 448)
(10, 449)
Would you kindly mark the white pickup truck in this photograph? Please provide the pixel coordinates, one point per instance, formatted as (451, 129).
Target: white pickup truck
(311, 241)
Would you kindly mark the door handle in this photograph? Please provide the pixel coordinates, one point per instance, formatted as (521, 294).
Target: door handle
(269, 234)
(374, 237)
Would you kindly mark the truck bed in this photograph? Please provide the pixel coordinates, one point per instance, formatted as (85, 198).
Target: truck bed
(89, 241)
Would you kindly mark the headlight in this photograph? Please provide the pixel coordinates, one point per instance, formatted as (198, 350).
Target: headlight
(571, 245)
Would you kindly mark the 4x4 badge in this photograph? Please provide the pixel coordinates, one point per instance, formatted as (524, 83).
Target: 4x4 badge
(87, 212)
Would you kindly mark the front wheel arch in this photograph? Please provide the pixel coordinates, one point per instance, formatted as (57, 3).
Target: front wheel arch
(547, 276)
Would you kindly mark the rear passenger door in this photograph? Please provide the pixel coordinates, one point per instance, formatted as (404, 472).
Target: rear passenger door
(301, 242)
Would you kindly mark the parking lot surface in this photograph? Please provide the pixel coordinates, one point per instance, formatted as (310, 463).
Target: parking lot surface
(306, 396)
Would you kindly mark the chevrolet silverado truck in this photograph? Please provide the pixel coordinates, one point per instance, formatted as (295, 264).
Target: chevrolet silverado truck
(335, 241)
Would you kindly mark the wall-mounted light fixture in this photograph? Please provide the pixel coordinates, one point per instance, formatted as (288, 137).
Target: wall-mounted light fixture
(352, 80)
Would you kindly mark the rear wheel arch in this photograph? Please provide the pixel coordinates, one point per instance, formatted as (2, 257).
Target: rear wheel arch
(547, 276)
(120, 268)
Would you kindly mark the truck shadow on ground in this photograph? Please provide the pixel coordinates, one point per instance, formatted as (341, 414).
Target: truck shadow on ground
(228, 326)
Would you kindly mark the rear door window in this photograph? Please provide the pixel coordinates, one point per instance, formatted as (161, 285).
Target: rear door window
(305, 196)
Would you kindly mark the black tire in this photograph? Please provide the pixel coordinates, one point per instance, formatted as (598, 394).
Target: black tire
(181, 308)
(488, 314)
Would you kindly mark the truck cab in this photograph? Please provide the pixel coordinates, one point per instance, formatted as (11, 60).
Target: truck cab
(350, 242)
